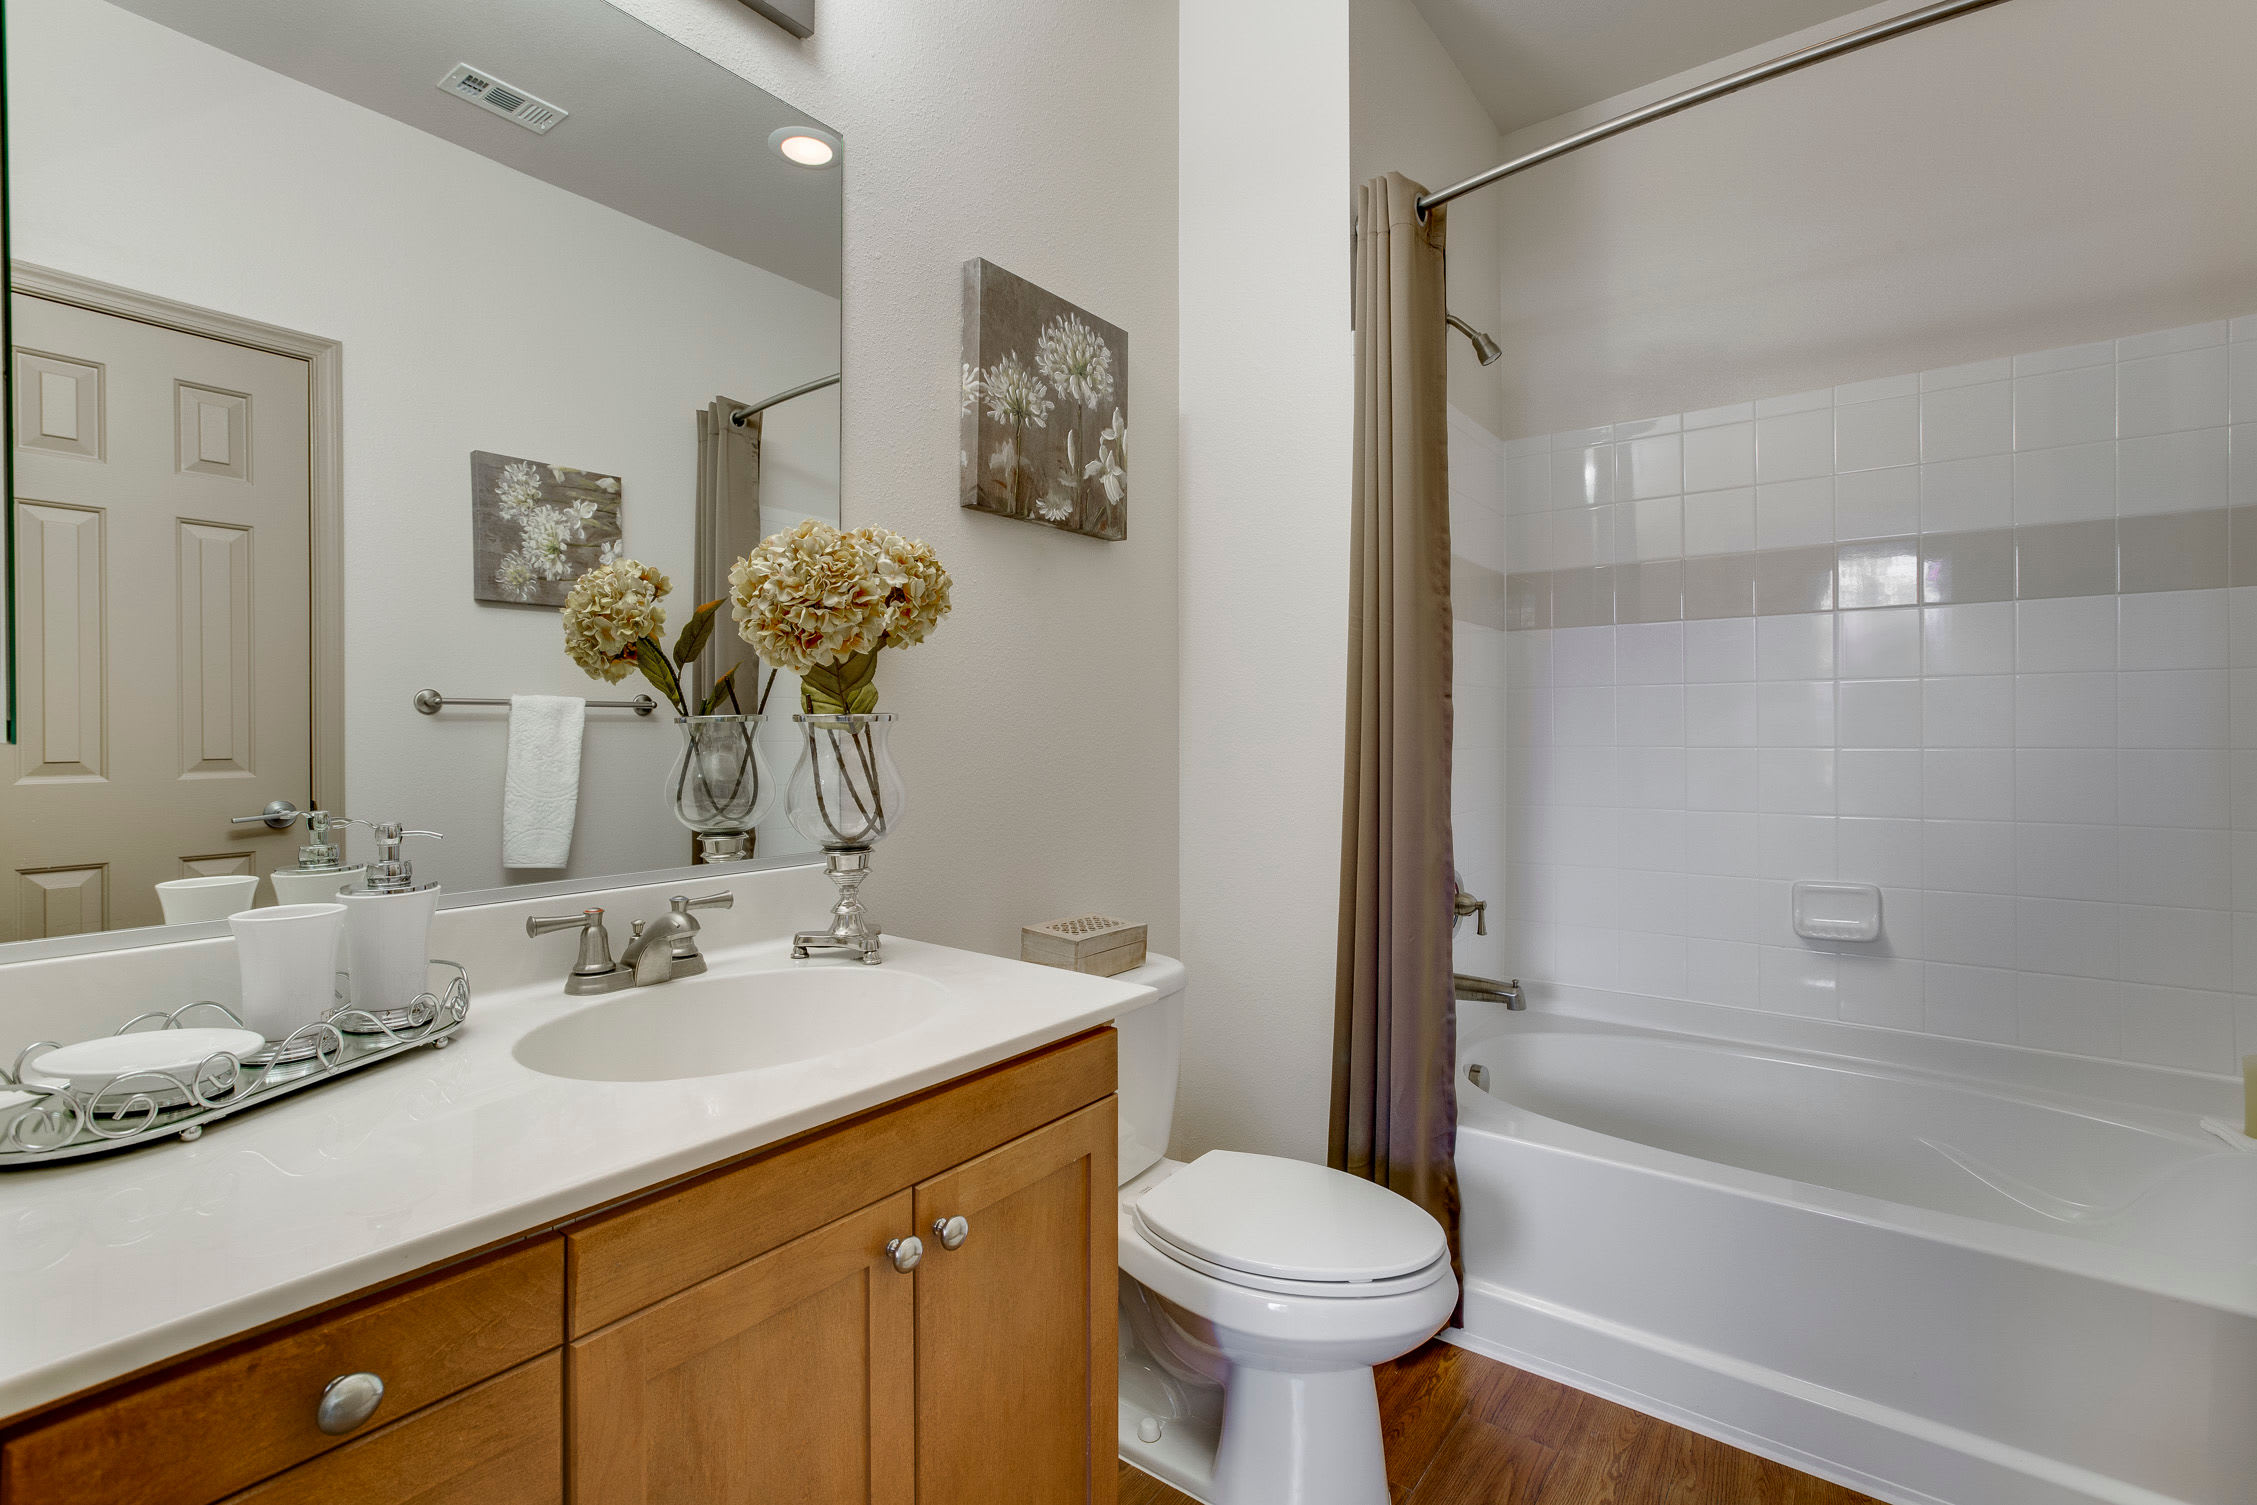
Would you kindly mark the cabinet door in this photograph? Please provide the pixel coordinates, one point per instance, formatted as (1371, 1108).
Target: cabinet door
(787, 1379)
(1016, 1327)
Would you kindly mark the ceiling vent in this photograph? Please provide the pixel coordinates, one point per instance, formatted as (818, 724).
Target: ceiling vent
(490, 93)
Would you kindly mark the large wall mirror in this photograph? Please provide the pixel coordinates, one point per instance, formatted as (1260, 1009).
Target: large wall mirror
(345, 336)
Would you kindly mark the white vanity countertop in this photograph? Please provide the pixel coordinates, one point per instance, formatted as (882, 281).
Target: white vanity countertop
(118, 1262)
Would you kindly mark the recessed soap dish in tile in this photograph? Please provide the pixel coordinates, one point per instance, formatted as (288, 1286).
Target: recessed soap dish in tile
(1837, 911)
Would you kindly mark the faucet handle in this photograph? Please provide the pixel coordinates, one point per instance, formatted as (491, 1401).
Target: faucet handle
(595, 942)
(682, 904)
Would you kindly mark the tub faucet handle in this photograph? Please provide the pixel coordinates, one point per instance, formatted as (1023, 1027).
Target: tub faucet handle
(1463, 904)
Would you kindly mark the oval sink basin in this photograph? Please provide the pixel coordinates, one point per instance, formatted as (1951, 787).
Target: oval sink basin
(712, 1026)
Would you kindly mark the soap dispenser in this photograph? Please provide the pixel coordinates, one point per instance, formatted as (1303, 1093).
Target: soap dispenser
(321, 869)
(388, 927)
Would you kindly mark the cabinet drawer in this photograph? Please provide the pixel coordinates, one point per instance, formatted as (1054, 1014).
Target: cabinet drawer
(626, 1260)
(217, 1424)
(499, 1443)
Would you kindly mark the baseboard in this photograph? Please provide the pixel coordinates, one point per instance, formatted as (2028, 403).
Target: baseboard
(1901, 1459)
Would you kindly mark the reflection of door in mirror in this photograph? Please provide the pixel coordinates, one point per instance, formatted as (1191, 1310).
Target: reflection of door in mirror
(162, 529)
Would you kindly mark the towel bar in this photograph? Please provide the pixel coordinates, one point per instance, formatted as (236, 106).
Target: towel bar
(431, 703)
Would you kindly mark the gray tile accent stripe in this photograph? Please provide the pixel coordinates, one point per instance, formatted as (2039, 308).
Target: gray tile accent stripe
(1477, 593)
(2170, 551)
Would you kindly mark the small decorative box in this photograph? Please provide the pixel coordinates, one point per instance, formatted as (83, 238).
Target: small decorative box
(1087, 943)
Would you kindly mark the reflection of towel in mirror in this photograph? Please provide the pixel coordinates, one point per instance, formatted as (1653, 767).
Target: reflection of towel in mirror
(541, 786)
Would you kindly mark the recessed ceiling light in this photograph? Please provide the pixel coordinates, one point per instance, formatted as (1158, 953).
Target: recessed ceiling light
(805, 145)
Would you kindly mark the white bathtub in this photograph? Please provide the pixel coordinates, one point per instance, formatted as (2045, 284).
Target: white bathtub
(1979, 1276)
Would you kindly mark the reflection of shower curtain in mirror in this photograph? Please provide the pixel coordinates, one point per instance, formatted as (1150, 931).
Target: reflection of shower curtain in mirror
(728, 528)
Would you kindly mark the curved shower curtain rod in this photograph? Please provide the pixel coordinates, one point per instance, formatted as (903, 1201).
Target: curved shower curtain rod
(737, 418)
(1818, 52)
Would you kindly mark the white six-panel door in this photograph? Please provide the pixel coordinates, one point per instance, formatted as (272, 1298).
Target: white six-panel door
(162, 659)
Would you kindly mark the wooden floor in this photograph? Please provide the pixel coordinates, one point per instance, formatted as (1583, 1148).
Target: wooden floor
(1465, 1430)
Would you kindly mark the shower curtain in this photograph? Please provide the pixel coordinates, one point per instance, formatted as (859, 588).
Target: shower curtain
(1394, 1056)
(728, 528)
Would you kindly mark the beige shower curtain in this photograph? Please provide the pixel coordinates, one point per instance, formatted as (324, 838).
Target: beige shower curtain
(1394, 1106)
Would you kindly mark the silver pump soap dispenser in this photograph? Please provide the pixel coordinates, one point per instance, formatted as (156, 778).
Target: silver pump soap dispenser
(388, 926)
(321, 869)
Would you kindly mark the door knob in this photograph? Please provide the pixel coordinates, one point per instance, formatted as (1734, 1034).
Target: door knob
(951, 1232)
(347, 1401)
(278, 814)
(906, 1252)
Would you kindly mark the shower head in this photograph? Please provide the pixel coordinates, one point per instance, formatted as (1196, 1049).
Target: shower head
(1487, 349)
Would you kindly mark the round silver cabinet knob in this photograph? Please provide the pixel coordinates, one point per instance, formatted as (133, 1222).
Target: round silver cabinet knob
(906, 1252)
(347, 1401)
(951, 1232)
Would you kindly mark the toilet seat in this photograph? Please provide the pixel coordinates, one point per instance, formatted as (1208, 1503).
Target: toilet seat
(1272, 1224)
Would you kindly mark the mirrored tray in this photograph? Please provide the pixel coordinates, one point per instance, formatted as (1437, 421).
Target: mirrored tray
(42, 1122)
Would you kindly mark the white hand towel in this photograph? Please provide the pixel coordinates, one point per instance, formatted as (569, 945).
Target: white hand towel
(541, 786)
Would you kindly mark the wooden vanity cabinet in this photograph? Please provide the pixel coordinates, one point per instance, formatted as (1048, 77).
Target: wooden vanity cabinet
(821, 1372)
(756, 1333)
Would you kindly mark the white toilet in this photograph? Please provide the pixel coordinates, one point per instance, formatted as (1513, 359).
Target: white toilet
(1256, 1295)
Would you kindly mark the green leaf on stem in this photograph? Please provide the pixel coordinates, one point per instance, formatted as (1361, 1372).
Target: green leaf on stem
(696, 633)
(848, 687)
(725, 685)
(651, 660)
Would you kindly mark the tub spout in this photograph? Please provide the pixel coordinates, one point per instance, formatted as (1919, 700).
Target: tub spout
(1489, 990)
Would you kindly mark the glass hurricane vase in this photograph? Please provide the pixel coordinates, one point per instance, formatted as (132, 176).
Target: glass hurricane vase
(845, 792)
(846, 795)
(720, 783)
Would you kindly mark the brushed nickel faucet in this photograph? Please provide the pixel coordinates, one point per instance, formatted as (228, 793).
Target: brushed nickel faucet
(664, 949)
(1489, 990)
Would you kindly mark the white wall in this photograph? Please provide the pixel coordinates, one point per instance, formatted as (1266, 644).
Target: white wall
(478, 309)
(1038, 726)
(1412, 112)
(2028, 176)
(1268, 391)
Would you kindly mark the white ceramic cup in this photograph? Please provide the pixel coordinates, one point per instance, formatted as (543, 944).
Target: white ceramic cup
(188, 900)
(288, 957)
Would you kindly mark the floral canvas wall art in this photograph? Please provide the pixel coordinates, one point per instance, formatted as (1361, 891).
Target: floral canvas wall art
(1044, 411)
(537, 527)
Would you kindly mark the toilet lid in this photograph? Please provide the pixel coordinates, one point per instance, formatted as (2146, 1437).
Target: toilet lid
(1291, 1220)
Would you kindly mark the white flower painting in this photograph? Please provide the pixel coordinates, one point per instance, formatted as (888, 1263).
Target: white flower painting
(537, 527)
(1045, 436)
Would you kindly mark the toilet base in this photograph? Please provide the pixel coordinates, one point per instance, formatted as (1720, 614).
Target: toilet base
(1300, 1439)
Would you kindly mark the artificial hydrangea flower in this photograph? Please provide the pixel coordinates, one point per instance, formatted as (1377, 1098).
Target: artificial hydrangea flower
(611, 609)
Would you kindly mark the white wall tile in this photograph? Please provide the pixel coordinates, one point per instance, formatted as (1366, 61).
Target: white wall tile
(2074, 483)
(1650, 715)
(1879, 851)
(2184, 390)
(1722, 715)
(2064, 861)
(1721, 972)
(1720, 522)
(2066, 358)
(1882, 644)
(2181, 948)
(1872, 434)
(2065, 783)
(1968, 375)
(1720, 457)
(2067, 936)
(1885, 991)
(1796, 780)
(2160, 341)
(1794, 847)
(2173, 787)
(1958, 422)
(1800, 646)
(1792, 514)
(1656, 466)
(1972, 1003)
(1582, 477)
(1721, 778)
(1724, 650)
(2178, 1027)
(1967, 783)
(1723, 909)
(2175, 866)
(1795, 445)
(2173, 630)
(2171, 472)
(1878, 782)
(1797, 982)
(1650, 653)
(1969, 710)
(1886, 503)
(1735, 412)
(1880, 713)
(1583, 716)
(2065, 710)
(1975, 856)
(2172, 708)
(1795, 713)
(1651, 529)
(2065, 407)
(1650, 778)
(1877, 389)
(2078, 1015)
(2073, 633)
(1795, 402)
(1583, 656)
(1723, 844)
(1975, 930)
(1975, 638)
(1962, 496)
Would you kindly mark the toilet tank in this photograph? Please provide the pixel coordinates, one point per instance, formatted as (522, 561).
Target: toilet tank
(1151, 1046)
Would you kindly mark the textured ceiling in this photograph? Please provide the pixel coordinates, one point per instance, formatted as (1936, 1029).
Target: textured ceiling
(1529, 60)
